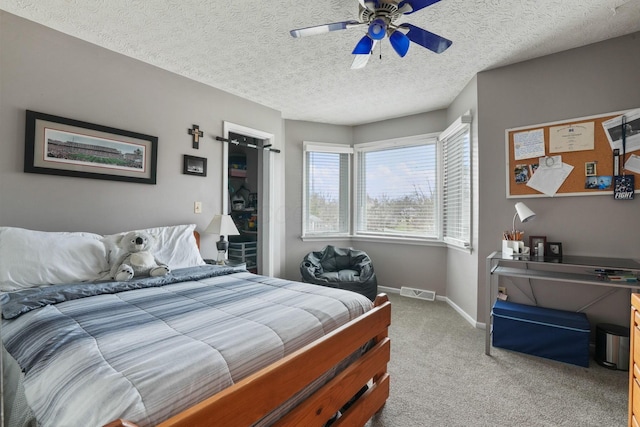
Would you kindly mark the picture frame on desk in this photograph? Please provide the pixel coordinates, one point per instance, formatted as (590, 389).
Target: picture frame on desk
(534, 247)
(553, 250)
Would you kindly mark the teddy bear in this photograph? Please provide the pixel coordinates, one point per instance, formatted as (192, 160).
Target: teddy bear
(136, 258)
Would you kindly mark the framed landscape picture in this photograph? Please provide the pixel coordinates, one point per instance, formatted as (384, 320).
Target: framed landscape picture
(60, 146)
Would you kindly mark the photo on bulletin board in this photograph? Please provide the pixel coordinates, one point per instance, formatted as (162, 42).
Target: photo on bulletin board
(592, 155)
(598, 182)
(521, 174)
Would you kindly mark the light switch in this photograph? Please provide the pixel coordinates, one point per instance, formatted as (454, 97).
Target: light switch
(197, 207)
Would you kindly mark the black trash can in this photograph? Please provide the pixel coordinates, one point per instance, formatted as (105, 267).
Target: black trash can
(612, 346)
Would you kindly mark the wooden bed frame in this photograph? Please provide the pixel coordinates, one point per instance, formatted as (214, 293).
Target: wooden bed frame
(250, 399)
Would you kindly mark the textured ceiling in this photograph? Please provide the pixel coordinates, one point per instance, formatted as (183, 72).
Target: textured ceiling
(244, 47)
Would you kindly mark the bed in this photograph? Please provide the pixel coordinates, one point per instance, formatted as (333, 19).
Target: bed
(204, 346)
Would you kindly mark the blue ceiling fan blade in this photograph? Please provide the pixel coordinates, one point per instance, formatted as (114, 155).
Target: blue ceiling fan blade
(364, 46)
(416, 5)
(361, 60)
(321, 29)
(399, 42)
(424, 38)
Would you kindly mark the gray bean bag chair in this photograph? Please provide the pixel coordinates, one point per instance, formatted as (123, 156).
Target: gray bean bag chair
(342, 268)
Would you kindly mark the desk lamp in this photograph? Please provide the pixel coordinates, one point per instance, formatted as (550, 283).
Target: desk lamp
(524, 213)
(222, 225)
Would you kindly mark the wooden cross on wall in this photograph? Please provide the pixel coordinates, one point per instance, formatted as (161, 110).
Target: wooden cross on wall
(196, 133)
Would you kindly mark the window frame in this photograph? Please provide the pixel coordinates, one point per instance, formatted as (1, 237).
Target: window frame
(354, 150)
(332, 148)
(463, 123)
(403, 142)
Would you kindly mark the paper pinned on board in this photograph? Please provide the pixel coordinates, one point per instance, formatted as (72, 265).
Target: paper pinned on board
(528, 144)
(574, 137)
(550, 162)
(548, 180)
(613, 131)
(633, 164)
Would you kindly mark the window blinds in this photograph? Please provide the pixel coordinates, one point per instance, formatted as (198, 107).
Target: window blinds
(457, 187)
(397, 190)
(326, 193)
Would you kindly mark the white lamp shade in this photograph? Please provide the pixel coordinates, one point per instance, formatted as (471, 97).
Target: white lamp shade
(524, 213)
(222, 225)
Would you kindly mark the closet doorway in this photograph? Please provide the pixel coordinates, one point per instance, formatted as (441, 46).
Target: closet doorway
(244, 196)
(247, 197)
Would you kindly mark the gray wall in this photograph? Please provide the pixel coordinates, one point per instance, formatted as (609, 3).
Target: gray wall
(396, 265)
(462, 267)
(46, 71)
(400, 265)
(571, 84)
(49, 72)
(295, 133)
(591, 80)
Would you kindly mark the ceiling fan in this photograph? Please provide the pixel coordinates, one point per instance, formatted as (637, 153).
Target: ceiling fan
(379, 17)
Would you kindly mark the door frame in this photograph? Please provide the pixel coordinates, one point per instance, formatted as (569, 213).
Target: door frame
(267, 197)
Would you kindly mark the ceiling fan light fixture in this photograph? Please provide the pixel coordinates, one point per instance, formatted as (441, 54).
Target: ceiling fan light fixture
(364, 46)
(377, 29)
(399, 42)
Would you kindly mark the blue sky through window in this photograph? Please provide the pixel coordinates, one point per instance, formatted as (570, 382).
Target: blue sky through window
(400, 172)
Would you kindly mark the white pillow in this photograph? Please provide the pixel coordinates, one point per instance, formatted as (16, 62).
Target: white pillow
(31, 258)
(175, 245)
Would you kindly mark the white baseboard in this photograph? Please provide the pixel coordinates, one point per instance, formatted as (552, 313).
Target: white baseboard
(461, 312)
(388, 290)
(464, 314)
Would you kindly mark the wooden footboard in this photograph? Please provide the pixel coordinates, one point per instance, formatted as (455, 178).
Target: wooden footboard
(249, 400)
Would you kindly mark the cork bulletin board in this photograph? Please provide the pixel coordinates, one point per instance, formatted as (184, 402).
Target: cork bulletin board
(576, 156)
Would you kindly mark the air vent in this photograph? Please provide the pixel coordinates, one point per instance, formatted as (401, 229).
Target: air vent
(417, 293)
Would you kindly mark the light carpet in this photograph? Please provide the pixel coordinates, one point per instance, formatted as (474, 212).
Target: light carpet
(440, 376)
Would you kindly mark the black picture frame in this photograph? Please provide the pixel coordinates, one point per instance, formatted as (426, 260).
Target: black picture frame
(553, 250)
(533, 244)
(57, 145)
(193, 165)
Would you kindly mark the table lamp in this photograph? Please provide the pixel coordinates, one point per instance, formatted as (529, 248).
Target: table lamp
(222, 225)
(524, 213)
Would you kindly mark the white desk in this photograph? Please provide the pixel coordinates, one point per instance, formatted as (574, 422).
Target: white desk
(577, 270)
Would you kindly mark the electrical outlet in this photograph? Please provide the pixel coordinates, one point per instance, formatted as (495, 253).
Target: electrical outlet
(502, 290)
(197, 207)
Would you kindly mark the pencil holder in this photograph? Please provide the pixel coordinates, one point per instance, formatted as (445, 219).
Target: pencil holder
(511, 247)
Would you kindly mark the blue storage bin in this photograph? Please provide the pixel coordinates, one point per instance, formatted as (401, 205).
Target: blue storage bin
(545, 332)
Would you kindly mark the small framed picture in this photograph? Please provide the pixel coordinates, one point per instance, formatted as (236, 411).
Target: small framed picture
(194, 166)
(590, 169)
(553, 250)
(537, 245)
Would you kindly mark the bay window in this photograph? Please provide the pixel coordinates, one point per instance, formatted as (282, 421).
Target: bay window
(415, 188)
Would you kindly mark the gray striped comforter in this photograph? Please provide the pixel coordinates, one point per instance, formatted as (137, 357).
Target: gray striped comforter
(145, 353)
